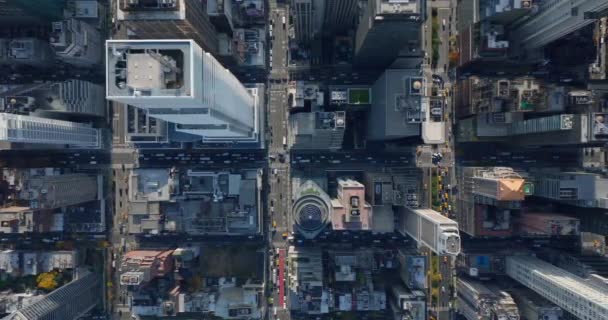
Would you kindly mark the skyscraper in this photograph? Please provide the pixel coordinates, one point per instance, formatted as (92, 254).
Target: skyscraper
(22, 129)
(308, 18)
(554, 20)
(76, 42)
(398, 104)
(48, 189)
(339, 15)
(69, 302)
(76, 98)
(317, 130)
(176, 81)
(169, 19)
(387, 28)
(487, 199)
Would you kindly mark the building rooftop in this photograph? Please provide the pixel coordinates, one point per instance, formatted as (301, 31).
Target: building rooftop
(162, 69)
(206, 202)
(399, 7)
(20, 263)
(312, 208)
(383, 219)
(317, 130)
(86, 288)
(71, 96)
(350, 210)
(151, 10)
(152, 184)
(397, 108)
(26, 51)
(144, 265)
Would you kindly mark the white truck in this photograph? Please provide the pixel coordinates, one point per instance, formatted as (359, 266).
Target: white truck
(429, 228)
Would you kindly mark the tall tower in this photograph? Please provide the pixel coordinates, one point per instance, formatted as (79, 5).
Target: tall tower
(76, 42)
(176, 81)
(554, 20)
(308, 18)
(339, 15)
(22, 129)
(386, 29)
(169, 19)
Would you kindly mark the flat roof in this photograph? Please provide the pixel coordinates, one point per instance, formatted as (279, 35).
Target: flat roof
(151, 68)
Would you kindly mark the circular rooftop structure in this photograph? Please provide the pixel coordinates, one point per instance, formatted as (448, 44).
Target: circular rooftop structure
(310, 216)
(311, 210)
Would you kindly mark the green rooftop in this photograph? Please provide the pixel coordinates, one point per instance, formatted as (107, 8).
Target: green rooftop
(359, 96)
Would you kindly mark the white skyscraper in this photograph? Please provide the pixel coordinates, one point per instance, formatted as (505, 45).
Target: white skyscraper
(28, 129)
(176, 81)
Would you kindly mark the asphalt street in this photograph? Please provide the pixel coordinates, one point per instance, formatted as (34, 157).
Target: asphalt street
(76, 159)
(446, 24)
(522, 158)
(278, 182)
(208, 158)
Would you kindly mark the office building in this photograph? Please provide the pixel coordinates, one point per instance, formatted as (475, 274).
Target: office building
(31, 263)
(522, 94)
(30, 12)
(20, 219)
(380, 194)
(317, 130)
(387, 30)
(414, 268)
(305, 94)
(483, 26)
(205, 203)
(554, 19)
(533, 306)
(581, 189)
(353, 287)
(74, 98)
(312, 208)
(220, 14)
(562, 129)
(483, 42)
(77, 43)
(145, 265)
(397, 108)
(177, 82)
(340, 15)
(19, 130)
(482, 263)
(503, 11)
(49, 188)
(168, 19)
(26, 52)
(406, 304)
(547, 224)
(350, 210)
(68, 302)
(467, 13)
(478, 300)
(307, 18)
(487, 199)
(582, 129)
(583, 299)
(306, 288)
